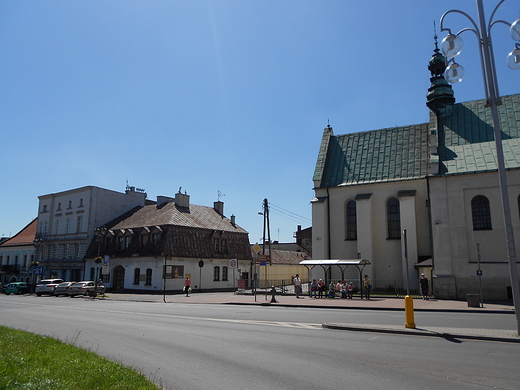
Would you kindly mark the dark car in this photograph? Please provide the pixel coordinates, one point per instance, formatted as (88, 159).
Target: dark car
(18, 288)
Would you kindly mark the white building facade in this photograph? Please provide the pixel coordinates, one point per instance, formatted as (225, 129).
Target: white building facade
(66, 224)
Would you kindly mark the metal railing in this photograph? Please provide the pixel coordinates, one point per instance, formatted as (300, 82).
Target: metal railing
(383, 288)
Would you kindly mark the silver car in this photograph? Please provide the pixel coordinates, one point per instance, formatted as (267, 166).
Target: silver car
(63, 288)
(85, 288)
(47, 286)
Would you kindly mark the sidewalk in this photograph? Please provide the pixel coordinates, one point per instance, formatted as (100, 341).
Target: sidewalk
(356, 304)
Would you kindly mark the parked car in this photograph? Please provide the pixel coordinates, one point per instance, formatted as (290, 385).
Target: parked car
(63, 288)
(47, 286)
(85, 288)
(17, 288)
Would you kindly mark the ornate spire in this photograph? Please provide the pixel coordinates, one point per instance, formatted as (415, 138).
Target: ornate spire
(440, 97)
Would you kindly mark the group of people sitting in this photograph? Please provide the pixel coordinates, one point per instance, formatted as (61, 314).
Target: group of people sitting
(341, 289)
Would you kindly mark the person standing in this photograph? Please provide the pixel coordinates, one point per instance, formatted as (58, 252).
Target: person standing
(187, 284)
(423, 282)
(314, 289)
(367, 286)
(321, 288)
(297, 285)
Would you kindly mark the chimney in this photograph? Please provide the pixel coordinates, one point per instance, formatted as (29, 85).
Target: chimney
(162, 200)
(233, 220)
(182, 200)
(219, 207)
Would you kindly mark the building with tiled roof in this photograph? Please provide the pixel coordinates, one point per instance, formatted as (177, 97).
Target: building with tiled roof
(17, 254)
(433, 186)
(155, 246)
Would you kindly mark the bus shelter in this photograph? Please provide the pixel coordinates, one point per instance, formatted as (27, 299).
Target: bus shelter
(342, 264)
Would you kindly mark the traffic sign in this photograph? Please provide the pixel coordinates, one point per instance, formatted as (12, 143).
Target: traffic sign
(38, 270)
(233, 263)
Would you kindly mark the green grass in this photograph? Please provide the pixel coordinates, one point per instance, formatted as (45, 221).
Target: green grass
(32, 362)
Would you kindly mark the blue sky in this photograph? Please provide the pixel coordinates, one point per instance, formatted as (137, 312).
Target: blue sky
(210, 96)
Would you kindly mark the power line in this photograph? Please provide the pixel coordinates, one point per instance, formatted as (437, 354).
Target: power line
(289, 214)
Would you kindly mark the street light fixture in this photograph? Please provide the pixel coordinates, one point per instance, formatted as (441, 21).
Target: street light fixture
(451, 46)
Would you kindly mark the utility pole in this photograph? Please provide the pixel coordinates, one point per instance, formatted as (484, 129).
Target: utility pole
(266, 225)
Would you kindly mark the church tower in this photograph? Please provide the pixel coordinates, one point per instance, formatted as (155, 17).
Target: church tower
(440, 97)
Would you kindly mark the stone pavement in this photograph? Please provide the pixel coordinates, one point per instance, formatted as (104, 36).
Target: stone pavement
(356, 304)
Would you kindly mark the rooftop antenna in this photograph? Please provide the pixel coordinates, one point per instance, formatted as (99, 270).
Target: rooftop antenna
(328, 123)
(220, 195)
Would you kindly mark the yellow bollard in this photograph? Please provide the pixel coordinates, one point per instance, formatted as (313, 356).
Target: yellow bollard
(408, 309)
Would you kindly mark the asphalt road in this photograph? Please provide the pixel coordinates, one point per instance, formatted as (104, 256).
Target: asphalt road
(182, 346)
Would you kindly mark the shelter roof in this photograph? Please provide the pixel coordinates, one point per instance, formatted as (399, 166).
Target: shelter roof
(336, 262)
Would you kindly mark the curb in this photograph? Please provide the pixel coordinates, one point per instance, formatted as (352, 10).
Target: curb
(367, 308)
(421, 332)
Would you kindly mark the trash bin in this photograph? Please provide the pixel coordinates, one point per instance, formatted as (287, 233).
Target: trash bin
(473, 300)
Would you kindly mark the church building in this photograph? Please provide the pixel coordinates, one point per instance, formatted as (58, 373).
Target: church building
(422, 198)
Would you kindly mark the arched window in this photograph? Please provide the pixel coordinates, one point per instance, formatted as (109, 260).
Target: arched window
(481, 213)
(224, 273)
(216, 273)
(393, 215)
(148, 281)
(351, 219)
(137, 274)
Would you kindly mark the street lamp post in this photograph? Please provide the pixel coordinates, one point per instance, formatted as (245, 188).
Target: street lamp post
(100, 233)
(451, 46)
(37, 245)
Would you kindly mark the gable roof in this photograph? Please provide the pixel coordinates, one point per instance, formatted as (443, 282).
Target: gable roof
(481, 157)
(392, 154)
(465, 144)
(171, 214)
(24, 236)
(466, 138)
(471, 122)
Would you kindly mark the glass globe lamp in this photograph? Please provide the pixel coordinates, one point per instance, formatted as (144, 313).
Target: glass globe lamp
(451, 46)
(513, 59)
(454, 73)
(515, 30)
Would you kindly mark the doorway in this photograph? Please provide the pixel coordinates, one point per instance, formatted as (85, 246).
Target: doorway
(119, 278)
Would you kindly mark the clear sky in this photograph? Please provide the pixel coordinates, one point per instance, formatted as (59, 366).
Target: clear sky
(210, 96)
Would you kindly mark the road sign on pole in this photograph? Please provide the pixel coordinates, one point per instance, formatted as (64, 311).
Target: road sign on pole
(38, 270)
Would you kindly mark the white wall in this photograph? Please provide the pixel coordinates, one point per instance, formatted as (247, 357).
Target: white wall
(455, 241)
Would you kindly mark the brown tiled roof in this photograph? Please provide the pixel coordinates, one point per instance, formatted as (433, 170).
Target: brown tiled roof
(170, 214)
(194, 232)
(24, 236)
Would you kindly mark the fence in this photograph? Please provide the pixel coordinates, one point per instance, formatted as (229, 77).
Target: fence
(383, 288)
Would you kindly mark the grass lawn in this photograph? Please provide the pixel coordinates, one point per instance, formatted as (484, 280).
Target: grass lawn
(32, 362)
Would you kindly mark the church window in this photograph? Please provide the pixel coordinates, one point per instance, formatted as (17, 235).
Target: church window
(481, 213)
(393, 215)
(351, 219)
